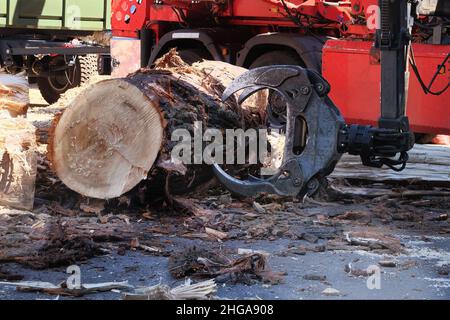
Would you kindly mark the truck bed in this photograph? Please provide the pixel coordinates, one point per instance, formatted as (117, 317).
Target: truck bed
(82, 15)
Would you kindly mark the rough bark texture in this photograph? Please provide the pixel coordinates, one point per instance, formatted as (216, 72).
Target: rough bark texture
(18, 162)
(118, 132)
(14, 96)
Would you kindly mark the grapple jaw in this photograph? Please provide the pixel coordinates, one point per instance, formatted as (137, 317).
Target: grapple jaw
(305, 93)
(290, 81)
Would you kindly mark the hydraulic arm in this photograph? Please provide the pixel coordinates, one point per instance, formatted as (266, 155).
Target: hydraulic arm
(305, 93)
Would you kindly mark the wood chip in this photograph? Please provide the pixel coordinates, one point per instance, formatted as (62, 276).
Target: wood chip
(242, 251)
(96, 207)
(259, 208)
(188, 291)
(331, 292)
(387, 263)
(314, 277)
(216, 234)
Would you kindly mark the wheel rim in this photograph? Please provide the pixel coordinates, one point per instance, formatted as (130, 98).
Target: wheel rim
(59, 81)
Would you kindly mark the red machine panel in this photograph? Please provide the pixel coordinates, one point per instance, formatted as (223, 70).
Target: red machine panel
(129, 16)
(354, 75)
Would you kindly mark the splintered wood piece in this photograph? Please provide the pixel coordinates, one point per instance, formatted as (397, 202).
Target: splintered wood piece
(14, 94)
(18, 162)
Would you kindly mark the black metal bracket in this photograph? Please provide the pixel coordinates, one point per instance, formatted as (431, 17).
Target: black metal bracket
(393, 40)
(376, 146)
(379, 146)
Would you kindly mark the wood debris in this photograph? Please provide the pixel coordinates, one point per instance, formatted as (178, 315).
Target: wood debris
(387, 193)
(135, 244)
(216, 234)
(374, 241)
(41, 241)
(14, 94)
(242, 251)
(196, 262)
(18, 162)
(63, 290)
(331, 292)
(259, 208)
(315, 277)
(356, 272)
(188, 291)
(387, 263)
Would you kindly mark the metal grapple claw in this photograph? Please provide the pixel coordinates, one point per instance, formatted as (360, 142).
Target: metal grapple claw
(248, 188)
(304, 93)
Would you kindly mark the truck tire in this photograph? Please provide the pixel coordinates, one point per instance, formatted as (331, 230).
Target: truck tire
(53, 87)
(272, 58)
(277, 57)
(88, 67)
(191, 56)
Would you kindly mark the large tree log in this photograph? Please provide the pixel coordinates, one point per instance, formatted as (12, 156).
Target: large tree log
(14, 94)
(18, 161)
(113, 135)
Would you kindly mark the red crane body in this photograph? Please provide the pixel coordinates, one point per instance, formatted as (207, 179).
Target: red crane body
(333, 36)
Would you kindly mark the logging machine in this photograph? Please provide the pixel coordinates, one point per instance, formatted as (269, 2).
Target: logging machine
(313, 40)
(309, 111)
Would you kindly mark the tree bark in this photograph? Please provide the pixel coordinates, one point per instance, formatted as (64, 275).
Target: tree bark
(118, 132)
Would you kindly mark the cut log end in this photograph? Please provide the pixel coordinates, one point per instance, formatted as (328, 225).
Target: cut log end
(103, 151)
